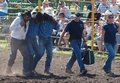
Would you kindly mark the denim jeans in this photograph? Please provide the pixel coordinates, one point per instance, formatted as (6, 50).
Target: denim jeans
(111, 54)
(45, 43)
(33, 48)
(76, 54)
(21, 45)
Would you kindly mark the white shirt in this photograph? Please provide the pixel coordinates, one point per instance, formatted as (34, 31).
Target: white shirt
(114, 9)
(5, 9)
(88, 30)
(18, 31)
(68, 12)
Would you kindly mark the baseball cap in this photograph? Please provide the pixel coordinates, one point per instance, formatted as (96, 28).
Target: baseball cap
(110, 15)
(77, 14)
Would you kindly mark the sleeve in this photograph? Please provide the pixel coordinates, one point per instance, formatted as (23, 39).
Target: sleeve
(103, 27)
(67, 28)
(56, 26)
(89, 15)
(99, 10)
(15, 24)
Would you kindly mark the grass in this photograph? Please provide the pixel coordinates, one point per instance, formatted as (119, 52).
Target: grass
(95, 54)
(4, 46)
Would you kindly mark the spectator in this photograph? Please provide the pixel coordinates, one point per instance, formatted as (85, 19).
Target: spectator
(97, 3)
(45, 4)
(3, 9)
(109, 37)
(19, 29)
(103, 6)
(118, 34)
(62, 22)
(96, 16)
(75, 29)
(88, 30)
(114, 7)
(62, 8)
(45, 41)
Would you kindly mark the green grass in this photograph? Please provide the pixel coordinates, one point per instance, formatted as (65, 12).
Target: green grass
(3, 45)
(95, 54)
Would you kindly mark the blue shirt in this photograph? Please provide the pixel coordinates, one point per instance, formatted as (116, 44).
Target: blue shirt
(33, 28)
(75, 29)
(110, 33)
(46, 28)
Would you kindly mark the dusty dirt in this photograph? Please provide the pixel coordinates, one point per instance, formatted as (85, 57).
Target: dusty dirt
(95, 72)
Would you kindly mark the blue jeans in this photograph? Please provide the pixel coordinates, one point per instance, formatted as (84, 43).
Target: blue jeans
(2, 14)
(21, 45)
(111, 54)
(45, 43)
(76, 54)
(33, 48)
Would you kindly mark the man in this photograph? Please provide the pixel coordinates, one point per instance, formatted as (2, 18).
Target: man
(31, 39)
(75, 29)
(18, 30)
(45, 42)
(103, 7)
(62, 8)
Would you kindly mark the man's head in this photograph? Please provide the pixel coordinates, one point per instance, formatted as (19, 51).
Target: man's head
(61, 16)
(110, 18)
(27, 15)
(61, 3)
(39, 16)
(77, 16)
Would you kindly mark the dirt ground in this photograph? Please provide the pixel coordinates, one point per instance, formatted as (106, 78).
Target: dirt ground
(95, 72)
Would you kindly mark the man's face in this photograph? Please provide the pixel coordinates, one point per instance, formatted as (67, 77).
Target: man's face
(76, 19)
(61, 5)
(26, 18)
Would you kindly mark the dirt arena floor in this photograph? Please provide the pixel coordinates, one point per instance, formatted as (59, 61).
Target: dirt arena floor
(95, 72)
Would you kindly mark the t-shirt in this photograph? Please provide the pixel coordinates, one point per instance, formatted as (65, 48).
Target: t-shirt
(75, 30)
(110, 33)
(114, 9)
(96, 16)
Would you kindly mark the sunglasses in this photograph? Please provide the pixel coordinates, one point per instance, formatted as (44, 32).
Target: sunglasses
(111, 17)
(60, 4)
(27, 16)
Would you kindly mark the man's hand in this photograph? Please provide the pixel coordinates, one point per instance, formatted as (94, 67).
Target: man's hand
(22, 23)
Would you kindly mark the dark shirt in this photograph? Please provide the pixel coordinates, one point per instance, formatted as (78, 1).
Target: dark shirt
(75, 30)
(110, 33)
(46, 28)
(96, 16)
(33, 28)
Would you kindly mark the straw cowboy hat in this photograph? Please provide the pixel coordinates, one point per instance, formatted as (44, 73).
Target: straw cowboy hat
(49, 11)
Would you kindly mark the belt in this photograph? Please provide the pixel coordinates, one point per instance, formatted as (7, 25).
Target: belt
(75, 39)
(44, 36)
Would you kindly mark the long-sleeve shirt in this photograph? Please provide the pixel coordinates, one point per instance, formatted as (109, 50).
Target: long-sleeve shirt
(33, 28)
(4, 9)
(18, 31)
(46, 28)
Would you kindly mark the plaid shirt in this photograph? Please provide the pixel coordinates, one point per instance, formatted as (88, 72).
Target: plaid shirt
(103, 7)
